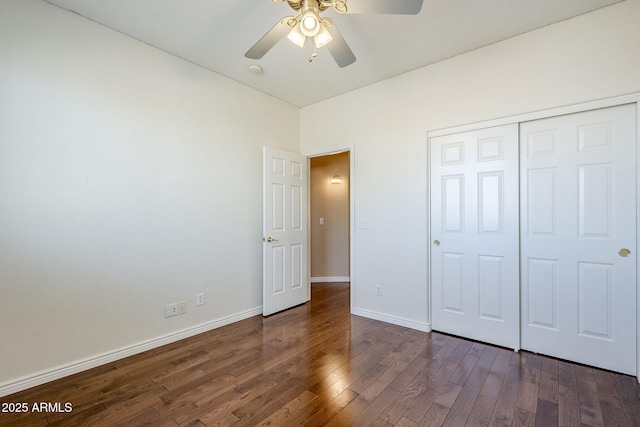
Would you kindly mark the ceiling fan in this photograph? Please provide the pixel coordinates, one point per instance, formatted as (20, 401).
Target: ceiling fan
(308, 23)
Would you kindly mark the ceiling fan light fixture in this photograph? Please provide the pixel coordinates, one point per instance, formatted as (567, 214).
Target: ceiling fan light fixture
(296, 36)
(323, 37)
(310, 24)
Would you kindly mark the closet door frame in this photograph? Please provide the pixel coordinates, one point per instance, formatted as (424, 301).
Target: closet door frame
(633, 98)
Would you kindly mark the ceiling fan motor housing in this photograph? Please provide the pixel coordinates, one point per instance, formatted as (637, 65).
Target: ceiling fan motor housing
(321, 5)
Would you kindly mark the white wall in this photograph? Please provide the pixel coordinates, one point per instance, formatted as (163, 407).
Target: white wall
(129, 179)
(589, 57)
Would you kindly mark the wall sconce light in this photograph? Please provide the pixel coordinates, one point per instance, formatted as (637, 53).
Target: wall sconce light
(336, 179)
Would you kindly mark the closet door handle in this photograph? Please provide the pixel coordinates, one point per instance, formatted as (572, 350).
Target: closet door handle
(624, 252)
(436, 242)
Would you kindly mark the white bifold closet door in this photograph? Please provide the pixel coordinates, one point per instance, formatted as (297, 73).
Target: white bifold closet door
(474, 233)
(578, 237)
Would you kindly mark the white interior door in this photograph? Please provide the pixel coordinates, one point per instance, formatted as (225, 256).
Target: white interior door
(578, 221)
(474, 233)
(285, 282)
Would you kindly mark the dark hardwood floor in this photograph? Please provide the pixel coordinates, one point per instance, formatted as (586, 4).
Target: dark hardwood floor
(318, 365)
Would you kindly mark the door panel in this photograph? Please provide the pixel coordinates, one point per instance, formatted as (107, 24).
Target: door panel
(474, 228)
(541, 202)
(490, 286)
(490, 199)
(285, 281)
(541, 298)
(453, 196)
(578, 210)
(452, 275)
(595, 200)
(594, 299)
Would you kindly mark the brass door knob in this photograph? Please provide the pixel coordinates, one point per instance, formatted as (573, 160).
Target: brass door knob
(269, 240)
(436, 242)
(624, 252)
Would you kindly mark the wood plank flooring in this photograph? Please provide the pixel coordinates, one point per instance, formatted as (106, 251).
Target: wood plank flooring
(317, 365)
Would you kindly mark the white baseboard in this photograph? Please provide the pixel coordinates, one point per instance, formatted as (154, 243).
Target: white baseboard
(332, 279)
(423, 327)
(43, 377)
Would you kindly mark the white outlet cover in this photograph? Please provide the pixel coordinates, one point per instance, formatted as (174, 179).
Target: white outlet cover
(171, 310)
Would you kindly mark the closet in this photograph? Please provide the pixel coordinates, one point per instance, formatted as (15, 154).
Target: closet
(533, 235)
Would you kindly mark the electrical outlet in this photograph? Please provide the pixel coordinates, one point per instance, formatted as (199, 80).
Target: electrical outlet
(171, 310)
(182, 307)
(200, 299)
(378, 290)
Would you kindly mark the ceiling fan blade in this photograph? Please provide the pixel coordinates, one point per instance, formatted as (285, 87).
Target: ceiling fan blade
(401, 7)
(269, 40)
(339, 49)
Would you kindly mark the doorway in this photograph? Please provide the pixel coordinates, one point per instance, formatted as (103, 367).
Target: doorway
(329, 189)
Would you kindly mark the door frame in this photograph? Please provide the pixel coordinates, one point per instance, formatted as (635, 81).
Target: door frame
(633, 98)
(311, 154)
(637, 236)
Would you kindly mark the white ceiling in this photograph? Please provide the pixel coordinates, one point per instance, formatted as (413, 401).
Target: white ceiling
(215, 34)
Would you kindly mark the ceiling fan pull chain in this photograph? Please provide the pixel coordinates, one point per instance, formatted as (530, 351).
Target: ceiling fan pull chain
(314, 54)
